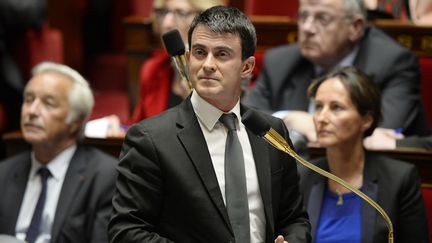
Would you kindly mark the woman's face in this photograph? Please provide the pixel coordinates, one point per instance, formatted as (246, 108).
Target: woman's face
(336, 118)
(176, 14)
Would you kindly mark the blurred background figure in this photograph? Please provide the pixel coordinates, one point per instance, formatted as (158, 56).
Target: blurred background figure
(161, 86)
(417, 11)
(347, 108)
(15, 18)
(383, 138)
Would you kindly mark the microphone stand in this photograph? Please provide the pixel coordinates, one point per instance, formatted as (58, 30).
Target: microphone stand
(277, 141)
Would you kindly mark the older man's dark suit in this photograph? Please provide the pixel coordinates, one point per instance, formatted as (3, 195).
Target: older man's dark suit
(286, 74)
(394, 185)
(167, 190)
(84, 204)
(416, 142)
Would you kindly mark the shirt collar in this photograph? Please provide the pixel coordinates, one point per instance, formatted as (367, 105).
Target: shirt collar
(57, 166)
(207, 113)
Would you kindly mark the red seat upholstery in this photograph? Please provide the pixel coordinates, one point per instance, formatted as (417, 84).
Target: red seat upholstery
(287, 8)
(426, 86)
(111, 102)
(45, 45)
(108, 81)
(3, 117)
(141, 7)
(427, 196)
(37, 46)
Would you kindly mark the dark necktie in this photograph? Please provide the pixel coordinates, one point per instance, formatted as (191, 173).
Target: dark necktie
(35, 224)
(235, 182)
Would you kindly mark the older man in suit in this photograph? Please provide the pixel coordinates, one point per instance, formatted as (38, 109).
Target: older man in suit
(179, 170)
(60, 191)
(333, 33)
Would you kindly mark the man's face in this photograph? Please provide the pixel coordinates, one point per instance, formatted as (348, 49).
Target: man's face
(45, 108)
(216, 68)
(324, 31)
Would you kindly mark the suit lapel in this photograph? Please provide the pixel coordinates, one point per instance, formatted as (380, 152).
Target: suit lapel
(192, 138)
(73, 179)
(16, 189)
(314, 203)
(370, 188)
(260, 151)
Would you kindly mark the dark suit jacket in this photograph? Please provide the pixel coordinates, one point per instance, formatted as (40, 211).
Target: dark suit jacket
(167, 190)
(415, 142)
(84, 204)
(286, 75)
(393, 184)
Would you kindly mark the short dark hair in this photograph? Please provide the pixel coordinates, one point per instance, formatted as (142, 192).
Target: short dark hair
(224, 19)
(363, 92)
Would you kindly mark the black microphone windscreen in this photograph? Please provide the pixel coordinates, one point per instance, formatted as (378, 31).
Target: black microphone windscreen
(174, 43)
(255, 122)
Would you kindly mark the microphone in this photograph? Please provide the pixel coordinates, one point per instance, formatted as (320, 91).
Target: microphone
(176, 49)
(260, 126)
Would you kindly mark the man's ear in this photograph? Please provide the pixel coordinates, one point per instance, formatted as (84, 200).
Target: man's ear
(367, 122)
(248, 66)
(187, 55)
(75, 126)
(356, 29)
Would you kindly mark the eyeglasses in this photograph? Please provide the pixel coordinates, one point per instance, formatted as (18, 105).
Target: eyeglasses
(320, 19)
(161, 13)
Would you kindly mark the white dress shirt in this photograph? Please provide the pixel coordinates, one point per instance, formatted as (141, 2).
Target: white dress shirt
(58, 167)
(215, 135)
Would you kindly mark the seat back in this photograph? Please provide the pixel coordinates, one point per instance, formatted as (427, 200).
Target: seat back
(286, 8)
(426, 86)
(141, 7)
(37, 46)
(427, 196)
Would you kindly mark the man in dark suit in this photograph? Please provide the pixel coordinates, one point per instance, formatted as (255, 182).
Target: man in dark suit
(60, 191)
(174, 184)
(330, 34)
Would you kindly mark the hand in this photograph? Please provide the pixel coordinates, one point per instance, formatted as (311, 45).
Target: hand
(382, 138)
(302, 122)
(280, 239)
(114, 127)
(181, 88)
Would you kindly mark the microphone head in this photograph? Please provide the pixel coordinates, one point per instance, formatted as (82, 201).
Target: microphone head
(255, 122)
(174, 43)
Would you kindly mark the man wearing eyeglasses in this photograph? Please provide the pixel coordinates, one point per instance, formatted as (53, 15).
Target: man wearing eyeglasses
(334, 33)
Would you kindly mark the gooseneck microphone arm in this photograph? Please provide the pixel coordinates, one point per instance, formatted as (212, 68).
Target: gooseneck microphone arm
(259, 125)
(176, 49)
